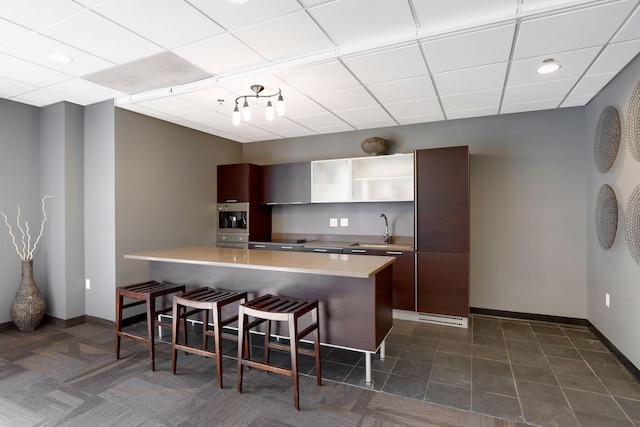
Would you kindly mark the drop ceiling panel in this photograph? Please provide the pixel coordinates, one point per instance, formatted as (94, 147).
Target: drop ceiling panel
(454, 12)
(615, 57)
(591, 84)
(414, 108)
(469, 50)
(10, 32)
(576, 101)
(44, 97)
(210, 98)
(170, 24)
(473, 100)
(403, 90)
(234, 16)
(544, 104)
(471, 79)
(420, 119)
(303, 106)
(363, 115)
(477, 112)
(301, 33)
(10, 88)
(36, 48)
(333, 129)
(321, 120)
(214, 120)
(89, 92)
(570, 31)
(27, 72)
(345, 99)
(386, 65)
(220, 54)
(380, 19)
(93, 33)
(631, 29)
(383, 123)
(38, 14)
(174, 106)
(327, 77)
(556, 89)
(573, 65)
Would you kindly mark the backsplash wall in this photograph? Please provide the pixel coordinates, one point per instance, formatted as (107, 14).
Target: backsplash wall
(363, 218)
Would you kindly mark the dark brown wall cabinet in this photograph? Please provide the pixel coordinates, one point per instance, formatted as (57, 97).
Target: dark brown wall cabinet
(286, 183)
(239, 183)
(442, 230)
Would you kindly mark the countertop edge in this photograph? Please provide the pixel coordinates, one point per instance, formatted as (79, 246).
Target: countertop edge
(342, 273)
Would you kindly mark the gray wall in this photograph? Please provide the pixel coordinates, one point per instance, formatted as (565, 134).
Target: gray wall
(528, 199)
(20, 185)
(62, 166)
(614, 271)
(165, 189)
(99, 209)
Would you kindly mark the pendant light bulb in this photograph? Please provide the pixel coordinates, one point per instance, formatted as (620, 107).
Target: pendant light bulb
(269, 111)
(280, 106)
(246, 111)
(236, 116)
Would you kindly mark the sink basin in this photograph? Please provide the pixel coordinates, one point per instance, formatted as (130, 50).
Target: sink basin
(381, 246)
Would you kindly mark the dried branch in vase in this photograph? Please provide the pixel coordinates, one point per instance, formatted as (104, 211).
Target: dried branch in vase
(25, 250)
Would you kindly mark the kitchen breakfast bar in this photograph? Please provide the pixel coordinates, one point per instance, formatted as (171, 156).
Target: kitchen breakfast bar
(354, 292)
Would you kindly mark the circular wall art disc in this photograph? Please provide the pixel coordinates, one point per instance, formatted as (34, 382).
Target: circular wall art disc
(607, 139)
(633, 122)
(632, 224)
(606, 216)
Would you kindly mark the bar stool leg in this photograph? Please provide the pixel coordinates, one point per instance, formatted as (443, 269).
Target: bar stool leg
(267, 338)
(151, 330)
(175, 326)
(293, 337)
(217, 337)
(119, 302)
(242, 319)
(316, 344)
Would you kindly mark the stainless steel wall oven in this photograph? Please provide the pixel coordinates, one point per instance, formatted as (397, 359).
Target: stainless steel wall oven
(233, 225)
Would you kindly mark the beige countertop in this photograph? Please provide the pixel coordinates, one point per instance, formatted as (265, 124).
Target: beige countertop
(299, 262)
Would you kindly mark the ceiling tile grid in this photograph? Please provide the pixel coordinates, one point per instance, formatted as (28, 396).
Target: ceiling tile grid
(340, 64)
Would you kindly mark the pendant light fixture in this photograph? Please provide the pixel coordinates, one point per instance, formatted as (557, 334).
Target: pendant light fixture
(246, 109)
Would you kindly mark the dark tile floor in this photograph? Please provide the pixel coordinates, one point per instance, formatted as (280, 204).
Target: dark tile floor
(544, 374)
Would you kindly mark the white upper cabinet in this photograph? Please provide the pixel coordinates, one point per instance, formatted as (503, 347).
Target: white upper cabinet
(363, 179)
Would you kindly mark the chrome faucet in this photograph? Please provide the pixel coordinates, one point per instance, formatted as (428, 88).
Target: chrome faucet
(387, 240)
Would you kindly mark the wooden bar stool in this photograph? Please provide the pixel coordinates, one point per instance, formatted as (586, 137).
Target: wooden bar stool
(205, 301)
(268, 308)
(144, 293)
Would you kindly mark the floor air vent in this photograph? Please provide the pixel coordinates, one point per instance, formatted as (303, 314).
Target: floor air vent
(438, 319)
(442, 319)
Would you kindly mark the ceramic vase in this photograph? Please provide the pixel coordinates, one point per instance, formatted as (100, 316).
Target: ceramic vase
(28, 306)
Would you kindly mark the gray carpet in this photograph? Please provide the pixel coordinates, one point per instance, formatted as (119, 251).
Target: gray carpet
(70, 377)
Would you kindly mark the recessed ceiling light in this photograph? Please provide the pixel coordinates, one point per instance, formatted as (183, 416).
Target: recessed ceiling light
(60, 57)
(548, 66)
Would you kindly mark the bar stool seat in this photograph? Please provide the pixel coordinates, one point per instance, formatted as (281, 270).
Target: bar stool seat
(203, 300)
(271, 308)
(144, 293)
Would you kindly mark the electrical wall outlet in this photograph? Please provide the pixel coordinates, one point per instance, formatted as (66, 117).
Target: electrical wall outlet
(607, 300)
(87, 284)
(344, 222)
(333, 222)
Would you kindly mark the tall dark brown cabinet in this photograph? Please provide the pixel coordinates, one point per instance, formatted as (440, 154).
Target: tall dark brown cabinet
(240, 183)
(442, 230)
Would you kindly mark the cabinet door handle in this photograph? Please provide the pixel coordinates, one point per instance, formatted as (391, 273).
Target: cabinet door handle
(259, 246)
(319, 250)
(359, 251)
(393, 253)
(286, 247)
